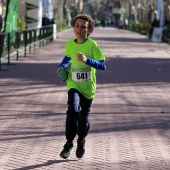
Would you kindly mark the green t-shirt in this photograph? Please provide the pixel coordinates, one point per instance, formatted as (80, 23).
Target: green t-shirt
(81, 76)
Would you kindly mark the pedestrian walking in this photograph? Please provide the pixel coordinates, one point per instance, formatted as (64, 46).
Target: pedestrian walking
(84, 56)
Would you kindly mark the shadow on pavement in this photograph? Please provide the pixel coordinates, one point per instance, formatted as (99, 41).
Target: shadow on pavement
(50, 162)
(136, 70)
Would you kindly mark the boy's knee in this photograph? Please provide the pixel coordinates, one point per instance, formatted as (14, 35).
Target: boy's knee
(83, 117)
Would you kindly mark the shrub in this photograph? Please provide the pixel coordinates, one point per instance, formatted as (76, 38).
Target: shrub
(145, 26)
(136, 26)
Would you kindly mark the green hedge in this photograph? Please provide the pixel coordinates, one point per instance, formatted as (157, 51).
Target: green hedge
(141, 27)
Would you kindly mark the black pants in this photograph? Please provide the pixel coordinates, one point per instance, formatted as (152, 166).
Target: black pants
(77, 121)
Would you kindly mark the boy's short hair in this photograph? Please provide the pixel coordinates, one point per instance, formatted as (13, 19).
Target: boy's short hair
(85, 17)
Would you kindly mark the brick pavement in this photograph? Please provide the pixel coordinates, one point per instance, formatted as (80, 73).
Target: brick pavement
(130, 116)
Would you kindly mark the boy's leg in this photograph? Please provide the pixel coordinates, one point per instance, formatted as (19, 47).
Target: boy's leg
(83, 125)
(72, 114)
(71, 122)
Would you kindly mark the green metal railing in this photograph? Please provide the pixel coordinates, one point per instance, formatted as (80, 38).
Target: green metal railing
(16, 42)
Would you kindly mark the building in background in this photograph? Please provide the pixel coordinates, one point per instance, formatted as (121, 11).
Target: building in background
(30, 12)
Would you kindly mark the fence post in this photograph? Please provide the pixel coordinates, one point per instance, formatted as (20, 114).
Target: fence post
(43, 35)
(46, 35)
(17, 43)
(9, 47)
(52, 32)
(40, 37)
(35, 34)
(30, 40)
(25, 42)
(0, 50)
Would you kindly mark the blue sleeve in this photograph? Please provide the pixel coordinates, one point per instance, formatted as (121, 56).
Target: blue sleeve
(65, 62)
(101, 65)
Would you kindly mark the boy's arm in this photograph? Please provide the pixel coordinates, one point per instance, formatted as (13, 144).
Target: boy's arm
(101, 65)
(65, 62)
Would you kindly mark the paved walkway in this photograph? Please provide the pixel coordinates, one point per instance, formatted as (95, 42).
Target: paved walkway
(130, 116)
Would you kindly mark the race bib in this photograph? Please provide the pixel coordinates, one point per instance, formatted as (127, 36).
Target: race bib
(81, 74)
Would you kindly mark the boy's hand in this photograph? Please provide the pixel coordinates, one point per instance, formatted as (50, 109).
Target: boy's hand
(58, 71)
(81, 57)
(63, 73)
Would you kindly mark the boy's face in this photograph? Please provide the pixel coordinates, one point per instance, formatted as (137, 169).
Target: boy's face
(81, 29)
